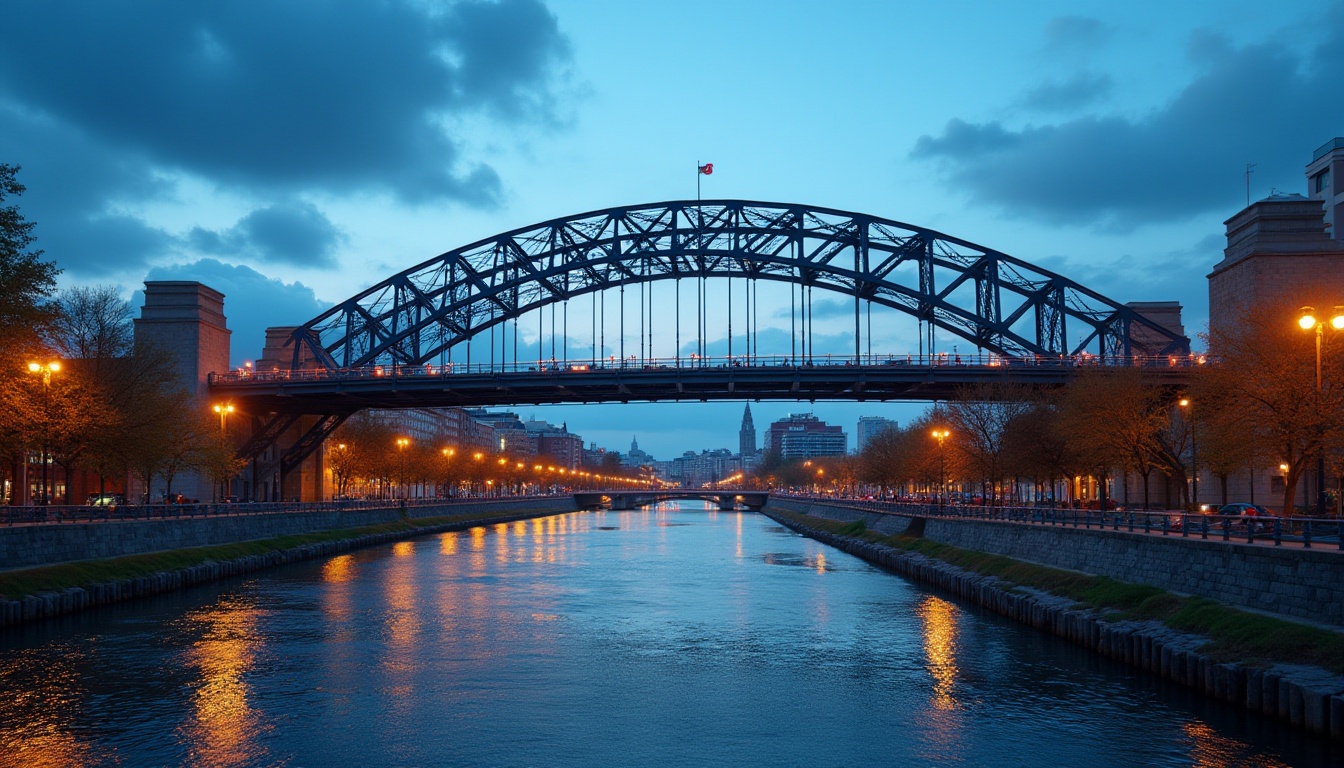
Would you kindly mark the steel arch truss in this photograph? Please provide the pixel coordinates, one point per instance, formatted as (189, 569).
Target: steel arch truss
(1000, 303)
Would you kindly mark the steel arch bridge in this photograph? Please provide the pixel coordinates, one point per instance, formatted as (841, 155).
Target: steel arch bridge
(1002, 305)
(997, 302)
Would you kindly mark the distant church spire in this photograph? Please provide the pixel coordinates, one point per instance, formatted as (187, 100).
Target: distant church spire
(746, 438)
(634, 444)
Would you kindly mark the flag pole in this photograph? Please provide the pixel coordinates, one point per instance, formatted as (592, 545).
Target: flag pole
(698, 174)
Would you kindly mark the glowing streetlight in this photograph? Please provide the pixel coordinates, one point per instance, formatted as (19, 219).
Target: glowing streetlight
(45, 372)
(1307, 322)
(941, 436)
(402, 442)
(1188, 405)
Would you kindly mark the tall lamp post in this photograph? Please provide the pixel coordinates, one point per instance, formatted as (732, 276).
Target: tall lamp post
(45, 372)
(223, 411)
(402, 442)
(1309, 322)
(941, 436)
(1187, 404)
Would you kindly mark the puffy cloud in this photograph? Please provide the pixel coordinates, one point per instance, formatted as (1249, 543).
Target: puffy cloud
(253, 302)
(1258, 103)
(332, 96)
(1074, 93)
(107, 104)
(295, 233)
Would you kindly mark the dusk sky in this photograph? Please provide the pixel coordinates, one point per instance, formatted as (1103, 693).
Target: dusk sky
(292, 154)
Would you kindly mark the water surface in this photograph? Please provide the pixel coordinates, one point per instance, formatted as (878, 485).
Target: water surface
(680, 636)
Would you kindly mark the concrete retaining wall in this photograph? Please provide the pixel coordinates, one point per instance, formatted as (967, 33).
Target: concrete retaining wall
(50, 604)
(1306, 697)
(1290, 581)
(27, 546)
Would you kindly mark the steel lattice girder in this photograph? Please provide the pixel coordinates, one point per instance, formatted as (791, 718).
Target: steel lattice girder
(1016, 307)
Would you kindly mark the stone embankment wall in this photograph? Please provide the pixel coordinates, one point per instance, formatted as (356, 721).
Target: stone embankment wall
(1307, 697)
(50, 604)
(27, 546)
(1290, 581)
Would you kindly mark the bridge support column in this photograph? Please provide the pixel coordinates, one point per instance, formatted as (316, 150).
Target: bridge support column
(727, 503)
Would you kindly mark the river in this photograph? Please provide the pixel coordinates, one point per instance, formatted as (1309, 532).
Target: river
(677, 636)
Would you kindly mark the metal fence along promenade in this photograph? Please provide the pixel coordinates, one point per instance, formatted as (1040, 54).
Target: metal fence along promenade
(1303, 532)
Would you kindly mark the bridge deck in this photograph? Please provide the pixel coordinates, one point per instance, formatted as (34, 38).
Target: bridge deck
(896, 378)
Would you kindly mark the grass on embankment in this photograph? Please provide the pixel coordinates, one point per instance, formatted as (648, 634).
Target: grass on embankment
(52, 578)
(1234, 635)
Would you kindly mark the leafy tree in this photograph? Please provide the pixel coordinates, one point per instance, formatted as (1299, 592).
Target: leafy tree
(981, 417)
(1035, 444)
(26, 281)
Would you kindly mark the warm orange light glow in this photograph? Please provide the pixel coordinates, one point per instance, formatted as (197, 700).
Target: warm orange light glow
(1308, 319)
(1184, 402)
(1337, 321)
(940, 649)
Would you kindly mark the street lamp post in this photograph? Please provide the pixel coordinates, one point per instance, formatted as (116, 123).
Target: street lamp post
(1186, 402)
(45, 372)
(941, 436)
(223, 411)
(1309, 322)
(402, 442)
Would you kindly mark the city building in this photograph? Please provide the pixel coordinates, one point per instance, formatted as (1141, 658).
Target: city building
(869, 427)
(693, 470)
(746, 436)
(636, 457)
(1325, 182)
(804, 436)
(558, 444)
(1286, 246)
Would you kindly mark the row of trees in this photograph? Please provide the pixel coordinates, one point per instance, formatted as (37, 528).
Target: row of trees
(371, 457)
(1255, 406)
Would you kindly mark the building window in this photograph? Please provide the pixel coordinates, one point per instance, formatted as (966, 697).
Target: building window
(1322, 180)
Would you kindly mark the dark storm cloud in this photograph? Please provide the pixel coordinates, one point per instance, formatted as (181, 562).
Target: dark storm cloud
(74, 183)
(1262, 103)
(267, 99)
(294, 233)
(1078, 91)
(253, 302)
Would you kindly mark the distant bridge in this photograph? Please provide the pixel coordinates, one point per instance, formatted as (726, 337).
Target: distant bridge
(725, 498)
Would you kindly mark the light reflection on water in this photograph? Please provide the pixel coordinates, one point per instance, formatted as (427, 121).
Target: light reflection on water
(669, 637)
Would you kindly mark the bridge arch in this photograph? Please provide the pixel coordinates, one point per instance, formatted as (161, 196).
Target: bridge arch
(999, 303)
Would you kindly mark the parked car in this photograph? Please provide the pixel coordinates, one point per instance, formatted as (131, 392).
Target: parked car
(105, 500)
(1244, 509)
(1255, 517)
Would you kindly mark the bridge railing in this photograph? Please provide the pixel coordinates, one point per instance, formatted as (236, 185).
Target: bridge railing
(1304, 531)
(695, 362)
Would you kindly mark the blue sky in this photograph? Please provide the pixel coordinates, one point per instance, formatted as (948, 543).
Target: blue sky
(291, 155)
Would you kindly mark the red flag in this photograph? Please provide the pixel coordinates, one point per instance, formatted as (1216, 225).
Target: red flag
(707, 168)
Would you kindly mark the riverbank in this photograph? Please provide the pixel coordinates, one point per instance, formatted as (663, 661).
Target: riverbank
(1243, 658)
(33, 594)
